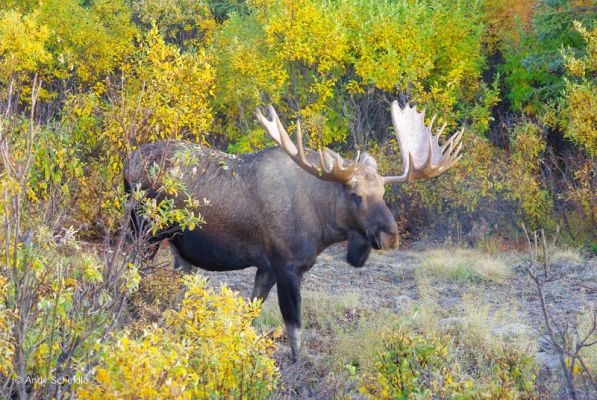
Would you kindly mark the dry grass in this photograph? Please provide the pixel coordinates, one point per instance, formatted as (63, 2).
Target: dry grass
(474, 319)
(589, 354)
(567, 255)
(340, 331)
(343, 334)
(464, 265)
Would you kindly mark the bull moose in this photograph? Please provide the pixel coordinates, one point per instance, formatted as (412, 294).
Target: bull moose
(279, 208)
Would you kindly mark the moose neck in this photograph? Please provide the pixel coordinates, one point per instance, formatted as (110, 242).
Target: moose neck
(332, 206)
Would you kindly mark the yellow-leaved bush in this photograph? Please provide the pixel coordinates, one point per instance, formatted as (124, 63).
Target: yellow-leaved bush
(162, 93)
(188, 23)
(291, 53)
(87, 42)
(579, 124)
(304, 56)
(22, 44)
(582, 95)
(6, 321)
(206, 349)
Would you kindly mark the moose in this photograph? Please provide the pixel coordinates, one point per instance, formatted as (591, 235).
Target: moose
(279, 208)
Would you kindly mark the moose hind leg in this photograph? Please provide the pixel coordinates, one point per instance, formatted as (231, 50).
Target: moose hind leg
(289, 298)
(264, 281)
(180, 262)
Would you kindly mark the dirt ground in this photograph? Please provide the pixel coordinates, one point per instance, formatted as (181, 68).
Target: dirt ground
(390, 283)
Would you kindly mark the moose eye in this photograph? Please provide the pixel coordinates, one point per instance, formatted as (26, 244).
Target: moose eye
(356, 199)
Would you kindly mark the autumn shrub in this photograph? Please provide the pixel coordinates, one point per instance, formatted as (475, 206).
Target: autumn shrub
(206, 349)
(426, 366)
(280, 53)
(580, 127)
(549, 80)
(447, 346)
(59, 297)
(60, 302)
(520, 78)
(6, 324)
(187, 23)
(161, 93)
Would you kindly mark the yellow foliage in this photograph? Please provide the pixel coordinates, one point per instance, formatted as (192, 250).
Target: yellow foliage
(207, 349)
(300, 54)
(583, 194)
(244, 69)
(524, 179)
(22, 43)
(286, 45)
(504, 20)
(302, 31)
(6, 322)
(387, 56)
(432, 53)
(185, 22)
(582, 96)
(88, 42)
(177, 87)
(582, 114)
(161, 94)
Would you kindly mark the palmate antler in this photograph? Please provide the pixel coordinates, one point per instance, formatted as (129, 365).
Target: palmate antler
(334, 169)
(422, 155)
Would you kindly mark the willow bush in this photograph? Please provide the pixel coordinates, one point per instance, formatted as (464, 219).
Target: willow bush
(207, 349)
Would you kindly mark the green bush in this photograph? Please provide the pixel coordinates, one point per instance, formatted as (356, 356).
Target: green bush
(427, 366)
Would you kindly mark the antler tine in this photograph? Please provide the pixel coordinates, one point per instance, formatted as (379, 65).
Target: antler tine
(432, 122)
(356, 157)
(299, 140)
(454, 139)
(285, 139)
(322, 160)
(334, 173)
(441, 130)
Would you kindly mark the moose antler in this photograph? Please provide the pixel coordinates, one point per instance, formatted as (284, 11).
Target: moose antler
(329, 168)
(422, 155)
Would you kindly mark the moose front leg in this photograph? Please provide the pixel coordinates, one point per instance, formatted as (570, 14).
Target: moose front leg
(289, 298)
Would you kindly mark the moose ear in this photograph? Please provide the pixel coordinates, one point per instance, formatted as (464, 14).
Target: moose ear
(368, 160)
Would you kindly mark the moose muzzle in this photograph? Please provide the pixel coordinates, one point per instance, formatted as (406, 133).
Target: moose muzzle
(388, 240)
